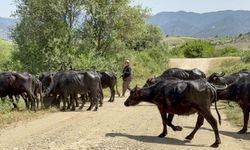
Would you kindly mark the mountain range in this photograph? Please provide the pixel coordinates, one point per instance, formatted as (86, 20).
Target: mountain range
(203, 25)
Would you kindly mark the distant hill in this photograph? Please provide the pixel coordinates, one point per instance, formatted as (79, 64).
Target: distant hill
(221, 23)
(5, 26)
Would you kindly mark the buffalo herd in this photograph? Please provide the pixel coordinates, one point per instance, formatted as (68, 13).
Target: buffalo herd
(184, 92)
(70, 87)
(175, 91)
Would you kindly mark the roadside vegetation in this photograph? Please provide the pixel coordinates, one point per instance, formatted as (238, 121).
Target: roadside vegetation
(203, 49)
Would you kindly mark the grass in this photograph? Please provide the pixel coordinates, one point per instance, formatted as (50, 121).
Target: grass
(234, 114)
(9, 116)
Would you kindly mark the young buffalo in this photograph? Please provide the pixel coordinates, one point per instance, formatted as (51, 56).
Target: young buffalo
(180, 97)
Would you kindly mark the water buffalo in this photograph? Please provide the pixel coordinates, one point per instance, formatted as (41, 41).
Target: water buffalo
(109, 80)
(12, 83)
(239, 92)
(180, 97)
(45, 78)
(183, 74)
(70, 83)
(221, 79)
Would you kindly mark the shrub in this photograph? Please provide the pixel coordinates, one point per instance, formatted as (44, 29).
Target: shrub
(245, 57)
(198, 48)
(229, 51)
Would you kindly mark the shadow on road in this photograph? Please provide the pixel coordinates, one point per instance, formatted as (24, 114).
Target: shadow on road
(153, 139)
(233, 134)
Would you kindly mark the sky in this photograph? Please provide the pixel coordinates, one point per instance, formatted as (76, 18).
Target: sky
(7, 7)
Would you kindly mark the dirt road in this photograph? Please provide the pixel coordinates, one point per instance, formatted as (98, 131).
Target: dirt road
(116, 127)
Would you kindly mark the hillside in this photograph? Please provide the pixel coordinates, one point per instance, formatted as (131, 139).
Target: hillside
(5, 26)
(242, 42)
(221, 23)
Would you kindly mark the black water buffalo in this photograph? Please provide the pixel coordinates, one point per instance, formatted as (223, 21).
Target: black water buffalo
(70, 83)
(239, 91)
(183, 74)
(180, 97)
(36, 89)
(109, 80)
(221, 79)
(46, 78)
(12, 84)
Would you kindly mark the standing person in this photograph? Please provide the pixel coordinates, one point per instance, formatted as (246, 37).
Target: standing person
(126, 77)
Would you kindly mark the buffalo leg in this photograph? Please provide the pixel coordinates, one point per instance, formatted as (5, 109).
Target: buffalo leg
(96, 102)
(212, 121)
(72, 101)
(31, 98)
(164, 122)
(91, 103)
(112, 97)
(246, 117)
(76, 100)
(83, 98)
(199, 123)
(169, 123)
(100, 98)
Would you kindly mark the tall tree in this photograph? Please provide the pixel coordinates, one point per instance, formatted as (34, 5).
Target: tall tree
(44, 34)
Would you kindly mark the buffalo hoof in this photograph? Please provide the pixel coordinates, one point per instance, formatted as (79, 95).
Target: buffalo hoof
(73, 109)
(215, 145)
(63, 109)
(162, 135)
(88, 109)
(189, 137)
(177, 128)
(242, 131)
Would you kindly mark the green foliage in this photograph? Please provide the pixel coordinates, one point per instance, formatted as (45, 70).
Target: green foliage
(230, 66)
(5, 106)
(5, 53)
(245, 57)
(234, 114)
(197, 48)
(55, 35)
(228, 51)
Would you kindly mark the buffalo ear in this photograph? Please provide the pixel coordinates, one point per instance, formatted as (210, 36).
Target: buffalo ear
(222, 73)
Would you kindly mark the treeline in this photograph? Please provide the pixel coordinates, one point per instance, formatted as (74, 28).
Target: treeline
(81, 34)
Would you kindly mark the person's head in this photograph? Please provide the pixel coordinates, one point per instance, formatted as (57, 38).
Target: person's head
(126, 62)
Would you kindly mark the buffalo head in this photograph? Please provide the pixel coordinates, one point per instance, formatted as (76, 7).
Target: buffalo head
(134, 97)
(216, 78)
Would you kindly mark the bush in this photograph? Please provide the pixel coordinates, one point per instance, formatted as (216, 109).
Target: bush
(198, 48)
(245, 57)
(229, 51)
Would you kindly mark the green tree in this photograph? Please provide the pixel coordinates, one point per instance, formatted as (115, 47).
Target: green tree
(197, 48)
(44, 34)
(58, 35)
